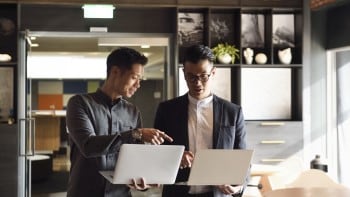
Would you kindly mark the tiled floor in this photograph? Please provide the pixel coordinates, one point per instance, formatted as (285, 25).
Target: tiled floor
(150, 193)
(60, 162)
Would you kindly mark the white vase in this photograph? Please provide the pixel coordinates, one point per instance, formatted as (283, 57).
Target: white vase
(248, 55)
(225, 59)
(249, 59)
(285, 56)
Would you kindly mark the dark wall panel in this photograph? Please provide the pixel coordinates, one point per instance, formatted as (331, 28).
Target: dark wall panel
(338, 27)
(8, 158)
(70, 18)
(8, 28)
(146, 102)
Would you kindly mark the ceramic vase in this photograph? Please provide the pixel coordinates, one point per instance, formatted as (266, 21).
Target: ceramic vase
(285, 56)
(225, 59)
(248, 55)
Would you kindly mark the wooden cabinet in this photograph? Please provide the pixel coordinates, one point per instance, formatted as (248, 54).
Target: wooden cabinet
(47, 133)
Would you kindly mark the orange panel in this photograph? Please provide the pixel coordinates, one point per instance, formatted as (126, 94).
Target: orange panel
(50, 101)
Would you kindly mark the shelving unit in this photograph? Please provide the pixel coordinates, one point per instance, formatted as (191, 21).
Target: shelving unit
(8, 45)
(274, 82)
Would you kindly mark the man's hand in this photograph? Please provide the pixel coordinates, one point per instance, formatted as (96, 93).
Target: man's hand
(187, 159)
(154, 136)
(229, 189)
(142, 185)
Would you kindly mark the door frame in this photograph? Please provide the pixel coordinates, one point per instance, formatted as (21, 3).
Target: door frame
(24, 168)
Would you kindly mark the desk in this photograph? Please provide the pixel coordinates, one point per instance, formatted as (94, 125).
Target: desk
(309, 192)
(264, 171)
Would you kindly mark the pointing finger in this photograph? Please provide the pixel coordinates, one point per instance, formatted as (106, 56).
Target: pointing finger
(166, 137)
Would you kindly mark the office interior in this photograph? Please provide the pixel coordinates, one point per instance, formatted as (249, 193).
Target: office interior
(293, 111)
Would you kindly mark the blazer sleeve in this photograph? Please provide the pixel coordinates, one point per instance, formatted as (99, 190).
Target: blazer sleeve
(160, 119)
(240, 138)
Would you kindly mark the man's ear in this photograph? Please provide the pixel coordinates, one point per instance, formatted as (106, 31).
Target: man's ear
(213, 71)
(115, 71)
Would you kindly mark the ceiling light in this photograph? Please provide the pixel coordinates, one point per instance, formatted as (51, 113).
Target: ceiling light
(125, 41)
(98, 11)
(144, 46)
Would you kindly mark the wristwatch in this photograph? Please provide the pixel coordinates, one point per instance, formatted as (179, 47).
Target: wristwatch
(137, 134)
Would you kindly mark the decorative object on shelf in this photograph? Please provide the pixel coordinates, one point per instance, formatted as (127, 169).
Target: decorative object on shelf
(5, 57)
(7, 27)
(261, 58)
(285, 56)
(226, 53)
(248, 54)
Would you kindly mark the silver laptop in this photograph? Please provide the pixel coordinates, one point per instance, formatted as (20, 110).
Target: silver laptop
(157, 164)
(220, 166)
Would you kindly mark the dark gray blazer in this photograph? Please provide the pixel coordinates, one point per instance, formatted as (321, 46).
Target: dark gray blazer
(228, 132)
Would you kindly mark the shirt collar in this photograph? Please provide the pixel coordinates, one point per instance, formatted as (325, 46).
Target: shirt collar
(106, 98)
(203, 101)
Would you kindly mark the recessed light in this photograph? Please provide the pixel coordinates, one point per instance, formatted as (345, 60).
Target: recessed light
(98, 11)
(145, 46)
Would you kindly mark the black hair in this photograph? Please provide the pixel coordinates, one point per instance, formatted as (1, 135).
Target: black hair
(124, 58)
(195, 53)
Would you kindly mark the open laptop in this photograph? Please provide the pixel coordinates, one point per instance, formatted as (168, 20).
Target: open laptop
(220, 166)
(157, 164)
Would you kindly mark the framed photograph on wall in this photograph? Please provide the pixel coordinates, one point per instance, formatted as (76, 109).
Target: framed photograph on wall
(283, 30)
(253, 27)
(6, 93)
(221, 29)
(190, 28)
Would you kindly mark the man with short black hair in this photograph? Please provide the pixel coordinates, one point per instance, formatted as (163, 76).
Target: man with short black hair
(99, 123)
(200, 120)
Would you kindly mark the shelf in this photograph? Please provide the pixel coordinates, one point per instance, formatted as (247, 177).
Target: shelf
(8, 63)
(226, 65)
(259, 65)
(265, 29)
(271, 66)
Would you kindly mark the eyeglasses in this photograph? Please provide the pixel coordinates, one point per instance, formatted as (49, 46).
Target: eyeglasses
(194, 78)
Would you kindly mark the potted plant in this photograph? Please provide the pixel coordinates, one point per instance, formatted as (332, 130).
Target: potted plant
(226, 53)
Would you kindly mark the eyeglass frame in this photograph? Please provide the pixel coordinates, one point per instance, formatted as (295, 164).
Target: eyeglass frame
(195, 78)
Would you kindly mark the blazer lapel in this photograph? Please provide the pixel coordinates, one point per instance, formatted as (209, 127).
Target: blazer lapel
(217, 112)
(183, 121)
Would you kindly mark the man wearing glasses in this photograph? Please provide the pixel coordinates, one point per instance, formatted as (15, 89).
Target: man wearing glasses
(200, 120)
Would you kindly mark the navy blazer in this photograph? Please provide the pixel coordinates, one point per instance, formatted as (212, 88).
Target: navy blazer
(228, 132)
